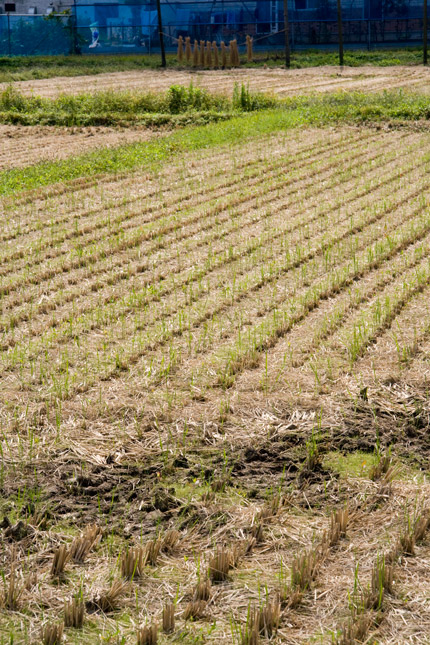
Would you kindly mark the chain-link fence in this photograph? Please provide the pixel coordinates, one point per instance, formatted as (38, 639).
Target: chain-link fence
(133, 28)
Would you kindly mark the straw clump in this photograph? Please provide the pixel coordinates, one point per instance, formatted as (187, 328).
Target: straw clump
(74, 613)
(216, 54)
(249, 52)
(195, 610)
(152, 551)
(180, 52)
(355, 631)
(203, 590)
(196, 54)
(170, 541)
(82, 545)
(132, 562)
(52, 634)
(9, 599)
(304, 569)
(219, 565)
(234, 54)
(61, 557)
(262, 621)
(208, 54)
(223, 55)
(188, 53)
(168, 618)
(108, 600)
(202, 53)
(147, 635)
(337, 530)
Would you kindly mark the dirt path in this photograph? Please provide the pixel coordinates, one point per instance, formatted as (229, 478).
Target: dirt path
(279, 81)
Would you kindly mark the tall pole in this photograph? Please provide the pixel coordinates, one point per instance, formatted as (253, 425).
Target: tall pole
(425, 33)
(8, 35)
(287, 36)
(340, 31)
(75, 28)
(160, 33)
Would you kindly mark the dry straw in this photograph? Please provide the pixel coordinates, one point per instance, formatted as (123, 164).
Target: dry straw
(223, 55)
(202, 53)
(257, 532)
(147, 635)
(203, 590)
(168, 618)
(268, 618)
(170, 541)
(82, 545)
(249, 52)
(355, 631)
(421, 527)
(188, 53)
(132, 562)
(12, 590)
(195, 609)
(216, 56)
(337, 530)
(52, 634)
(180, 49)
(234, 54)
(61, 557)
(219, 565)
(208, 54)
(74, 612)
(108, 600)
(261, 621)
(152, 551)
(303, 569)
(196, 54)
(381, 467)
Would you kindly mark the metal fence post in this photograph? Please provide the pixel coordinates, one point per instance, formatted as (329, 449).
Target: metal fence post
(287, 35)
(75, 29)
(160, 33)
(9, 47)
(340, 31)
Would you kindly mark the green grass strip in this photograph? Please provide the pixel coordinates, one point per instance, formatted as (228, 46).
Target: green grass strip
(356, 107)
(147, 155)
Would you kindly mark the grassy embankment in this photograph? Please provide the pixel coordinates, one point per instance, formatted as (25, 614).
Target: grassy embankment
(242, 116)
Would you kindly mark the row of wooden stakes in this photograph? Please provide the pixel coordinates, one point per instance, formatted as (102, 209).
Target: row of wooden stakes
(208, 54)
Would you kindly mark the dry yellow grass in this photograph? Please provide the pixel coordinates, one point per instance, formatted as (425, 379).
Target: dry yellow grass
(281, 82)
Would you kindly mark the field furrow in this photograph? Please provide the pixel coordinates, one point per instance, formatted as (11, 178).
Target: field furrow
(234, 219)
(87, 230)
(17, 351)
(214, 389)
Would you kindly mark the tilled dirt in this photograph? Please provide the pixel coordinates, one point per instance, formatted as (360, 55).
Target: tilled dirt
(279, 81)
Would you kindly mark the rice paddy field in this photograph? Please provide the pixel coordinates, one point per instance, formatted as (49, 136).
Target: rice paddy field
(214, 367)
(278, 81)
